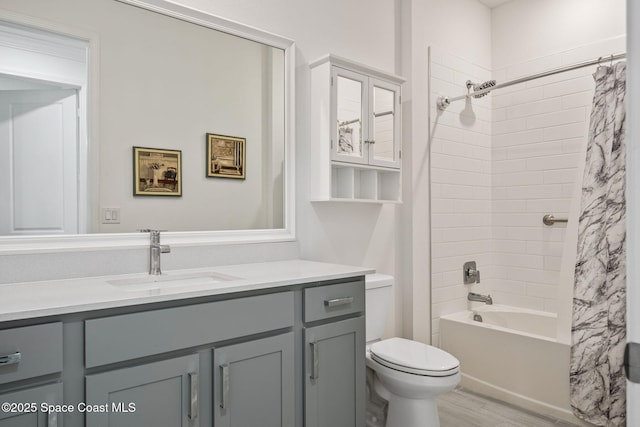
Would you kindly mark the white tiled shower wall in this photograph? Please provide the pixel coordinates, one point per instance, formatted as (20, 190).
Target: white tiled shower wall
(489, 209)
(460, 184)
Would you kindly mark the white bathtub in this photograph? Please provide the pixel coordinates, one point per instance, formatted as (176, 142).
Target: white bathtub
(512, 355)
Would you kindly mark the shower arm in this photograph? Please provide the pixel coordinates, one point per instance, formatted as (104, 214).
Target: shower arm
(444, 101)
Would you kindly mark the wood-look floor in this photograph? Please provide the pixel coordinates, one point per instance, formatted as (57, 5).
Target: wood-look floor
(462, 408)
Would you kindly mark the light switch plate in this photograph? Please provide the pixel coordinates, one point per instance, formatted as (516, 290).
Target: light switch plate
(110, 215)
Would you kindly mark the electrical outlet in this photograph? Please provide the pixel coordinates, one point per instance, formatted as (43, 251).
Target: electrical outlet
(110, 215)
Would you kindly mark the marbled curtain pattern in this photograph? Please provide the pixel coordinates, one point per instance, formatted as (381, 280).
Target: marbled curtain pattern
(598, 385)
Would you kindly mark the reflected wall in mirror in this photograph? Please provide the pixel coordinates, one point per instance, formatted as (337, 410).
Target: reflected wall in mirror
(157, 81)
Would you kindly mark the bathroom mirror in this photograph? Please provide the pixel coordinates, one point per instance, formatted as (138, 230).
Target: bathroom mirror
(163, 76)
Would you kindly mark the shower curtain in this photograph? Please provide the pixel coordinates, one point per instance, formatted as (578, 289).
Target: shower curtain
(597, 381)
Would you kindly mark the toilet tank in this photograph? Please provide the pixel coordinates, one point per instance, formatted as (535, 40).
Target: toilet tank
(378, 298)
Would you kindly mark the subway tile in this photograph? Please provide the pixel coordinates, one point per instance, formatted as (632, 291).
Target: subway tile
(509, 246)
(518, 138)
(594, 50)
(556, 206)
(534, 150)
(553, 263)
(476, 206)
(437, 280)
(535, 66)
(575, 145)
(509, 206)
(534, 108)
(507, 166)
(574, 130)
(544, 248)
(555, 78)
(442, 205)
(533, 275)
(523, 301)
(449, 249)
(578, 99)
(460, 177)
(441, 72)
(509, 126)
(462, 220)
(448, 293)
(516, 219)
(527, 95)
(542, 291)
(553, 162)
(518, 179)
(535, 192)
(449, 133)
(560, 176)
(509, 286)
(568, 87)
(557, 118)
(440, 309)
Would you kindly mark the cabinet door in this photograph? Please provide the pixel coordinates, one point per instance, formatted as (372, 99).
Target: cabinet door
(158, 394)
(254, 383)
(27, 417)
(384, 124)
(349, 117)
(335, 374)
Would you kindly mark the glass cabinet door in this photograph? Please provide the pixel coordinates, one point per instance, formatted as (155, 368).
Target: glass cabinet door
(350, 123)
(383, 145)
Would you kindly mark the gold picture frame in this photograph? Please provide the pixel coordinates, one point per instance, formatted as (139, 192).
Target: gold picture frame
(226, 156)
(157, 172)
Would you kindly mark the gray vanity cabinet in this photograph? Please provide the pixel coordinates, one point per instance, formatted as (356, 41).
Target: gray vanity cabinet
(31, 355)
(334, 356)
(254, 383)
(157, 394)
(289, 357)
(20, 416)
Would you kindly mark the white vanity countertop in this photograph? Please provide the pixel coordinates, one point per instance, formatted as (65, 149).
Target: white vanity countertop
(50, 298)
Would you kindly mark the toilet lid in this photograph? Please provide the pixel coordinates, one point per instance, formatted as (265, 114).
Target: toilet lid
(414, 357)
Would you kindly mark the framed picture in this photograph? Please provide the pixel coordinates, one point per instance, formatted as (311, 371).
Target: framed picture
(157, 172)
(225, 156)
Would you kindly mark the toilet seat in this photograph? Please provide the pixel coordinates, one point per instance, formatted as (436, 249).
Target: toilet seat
(414, 358)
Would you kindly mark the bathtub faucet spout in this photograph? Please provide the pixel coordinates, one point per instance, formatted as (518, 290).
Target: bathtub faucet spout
(472, 296)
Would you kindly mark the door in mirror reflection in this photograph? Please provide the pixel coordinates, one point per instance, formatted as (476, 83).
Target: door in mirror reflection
(42, 132)
(38, 162)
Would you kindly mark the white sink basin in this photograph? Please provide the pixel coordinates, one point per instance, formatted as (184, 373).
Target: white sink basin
(166, 281)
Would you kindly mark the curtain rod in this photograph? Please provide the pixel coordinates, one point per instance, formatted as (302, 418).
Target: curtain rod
(444, 101)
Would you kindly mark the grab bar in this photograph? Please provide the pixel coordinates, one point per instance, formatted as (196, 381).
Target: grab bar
(550, 219)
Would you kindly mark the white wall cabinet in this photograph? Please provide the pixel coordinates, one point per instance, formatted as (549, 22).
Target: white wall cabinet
(355, 132)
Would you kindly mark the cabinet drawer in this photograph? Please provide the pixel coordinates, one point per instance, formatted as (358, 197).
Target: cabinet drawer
(324, 302)
(118, 338)
(30, 351)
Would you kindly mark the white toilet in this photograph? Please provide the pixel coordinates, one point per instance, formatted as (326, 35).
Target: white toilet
(408, 374)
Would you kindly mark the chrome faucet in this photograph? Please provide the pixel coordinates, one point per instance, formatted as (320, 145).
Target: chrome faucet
(472, 296)
(155, 249)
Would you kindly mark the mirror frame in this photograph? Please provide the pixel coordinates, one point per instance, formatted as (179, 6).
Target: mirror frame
(112, 241)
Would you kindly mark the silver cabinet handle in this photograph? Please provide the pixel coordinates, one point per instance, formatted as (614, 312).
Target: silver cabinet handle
(10, 359)
(52, 419)
(338, 301)
(193, 400)
(315, 363)
(224, 400)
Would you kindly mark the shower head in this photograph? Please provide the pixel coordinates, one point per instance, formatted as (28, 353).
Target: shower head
(480, 86)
